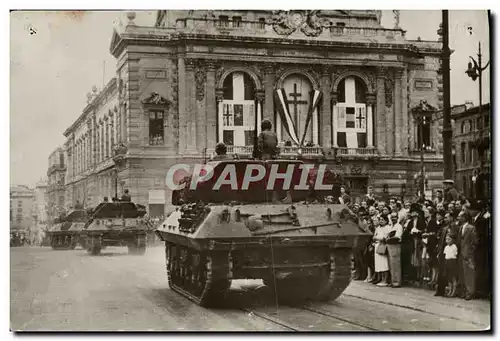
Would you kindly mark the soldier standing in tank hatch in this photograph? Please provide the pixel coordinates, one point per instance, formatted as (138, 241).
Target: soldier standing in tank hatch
(126, 196)
(267, 141)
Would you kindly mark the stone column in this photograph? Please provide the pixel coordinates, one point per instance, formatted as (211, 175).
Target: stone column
(181, 93)
(219, 96)
(269, 79)
(404, 112)
(326, 110)
(399, 132)
(370, 102)
(380, 118)
(190, 100)
(106, 137)
(210, 106)
(259, 101)
(334, 113)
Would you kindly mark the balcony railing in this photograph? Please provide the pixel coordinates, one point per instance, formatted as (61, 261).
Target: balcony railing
(284, 151)
(356, 152)
(240, 150)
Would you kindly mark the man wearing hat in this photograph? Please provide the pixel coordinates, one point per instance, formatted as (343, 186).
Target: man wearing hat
(483, 247)
(450, 193)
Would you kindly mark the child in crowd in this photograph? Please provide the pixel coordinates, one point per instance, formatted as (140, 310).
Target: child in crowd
(450, 256)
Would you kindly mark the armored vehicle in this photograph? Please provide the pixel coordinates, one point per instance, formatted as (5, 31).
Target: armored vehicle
(116, 224)
(294, 239)
(65, 233)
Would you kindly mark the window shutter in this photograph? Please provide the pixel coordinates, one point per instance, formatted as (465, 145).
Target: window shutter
(361, 140)
(342, 140)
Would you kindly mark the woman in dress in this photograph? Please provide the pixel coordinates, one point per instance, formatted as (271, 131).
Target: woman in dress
(394, 250)
(380, 249)
(369, 260)
(417, 227)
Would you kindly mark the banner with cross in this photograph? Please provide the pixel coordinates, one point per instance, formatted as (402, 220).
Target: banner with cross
(290, 118)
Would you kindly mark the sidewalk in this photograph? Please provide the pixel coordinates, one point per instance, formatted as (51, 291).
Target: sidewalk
(476, 311)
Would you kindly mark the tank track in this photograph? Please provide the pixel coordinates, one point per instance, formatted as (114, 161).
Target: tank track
(201, 276)
(325, 287)
(63, 242)
(94, 244)
(138, 247)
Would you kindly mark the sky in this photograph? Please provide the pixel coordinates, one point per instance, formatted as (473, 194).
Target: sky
(52, 70)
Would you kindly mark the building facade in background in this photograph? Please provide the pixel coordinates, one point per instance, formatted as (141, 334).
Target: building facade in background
(22, 209)
(472, 138)
(40, 215)
(338, 87)
(90, 142)
(56, 175)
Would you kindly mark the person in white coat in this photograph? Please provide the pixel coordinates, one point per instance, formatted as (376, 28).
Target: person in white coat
(380, 249)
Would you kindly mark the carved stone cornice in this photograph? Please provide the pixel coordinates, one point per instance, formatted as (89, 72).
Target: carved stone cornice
(190, 64)
(371, 98)
(398, 73)
(211, 65)
(219, 94)
(260, 95)
(334, 97)
(269, 68)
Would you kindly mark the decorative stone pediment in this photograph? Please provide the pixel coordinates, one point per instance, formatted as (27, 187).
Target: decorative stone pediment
(155, 99)
(423, 106)
(311, 22)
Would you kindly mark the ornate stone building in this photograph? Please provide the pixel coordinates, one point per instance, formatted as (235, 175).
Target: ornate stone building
(338, 87)
(472, 137)
(89, 146)
(56, 175)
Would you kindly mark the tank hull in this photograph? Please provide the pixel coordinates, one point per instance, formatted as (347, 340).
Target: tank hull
(304, 255)
(134, 239)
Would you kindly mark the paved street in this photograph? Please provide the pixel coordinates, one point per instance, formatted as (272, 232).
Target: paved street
(70, 290)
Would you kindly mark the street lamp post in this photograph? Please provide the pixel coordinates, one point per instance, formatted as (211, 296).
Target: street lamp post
(475, 71)
(421, 120)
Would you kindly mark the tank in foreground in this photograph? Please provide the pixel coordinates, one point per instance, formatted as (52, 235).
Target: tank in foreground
(297, 243)
(65, 233)
(116, 224)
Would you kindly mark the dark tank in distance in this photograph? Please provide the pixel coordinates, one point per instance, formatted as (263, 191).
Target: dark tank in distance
(295, 241)
(65, 233)
(118, 223)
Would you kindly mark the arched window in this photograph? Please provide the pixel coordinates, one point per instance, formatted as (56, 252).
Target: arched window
(350, 117)
(462, 127)
(237, 112)
(295, 125)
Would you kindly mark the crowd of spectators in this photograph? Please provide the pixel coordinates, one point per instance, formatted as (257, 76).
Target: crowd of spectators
(442, 244)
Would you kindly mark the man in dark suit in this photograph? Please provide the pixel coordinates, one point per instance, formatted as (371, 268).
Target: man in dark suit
(467, 241)
(481, 226)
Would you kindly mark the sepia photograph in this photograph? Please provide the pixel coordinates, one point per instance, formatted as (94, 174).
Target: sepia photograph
(230, 170)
